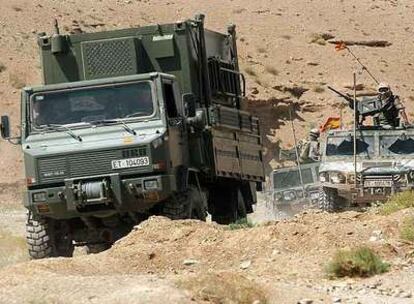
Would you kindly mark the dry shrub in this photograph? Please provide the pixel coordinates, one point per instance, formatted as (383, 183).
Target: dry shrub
(241, 224)
(2, 67)
(407, 229)
(250, 71)
(318, 89)
(359, 262)
(223, 288)
(317, 39)
(287, 37)
(398, 202)
(16, 81)
(261, 50)
(12, 249)
(272, 70)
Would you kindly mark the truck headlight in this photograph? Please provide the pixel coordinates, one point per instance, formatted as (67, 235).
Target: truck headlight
(323, 177)
(336, 178)
(150, 184)
(39, 197)
(351, 179)
(289, 195)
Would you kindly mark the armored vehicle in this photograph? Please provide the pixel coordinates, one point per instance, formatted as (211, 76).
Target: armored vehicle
(384, 166)
(287, 192)
(135, 122)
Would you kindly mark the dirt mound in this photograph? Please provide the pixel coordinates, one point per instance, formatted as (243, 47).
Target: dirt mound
(302, 245)
(211, 262)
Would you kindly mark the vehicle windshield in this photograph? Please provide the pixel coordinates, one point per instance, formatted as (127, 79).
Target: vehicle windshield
(86, 105)
(290, 179)
(344, 146)
(394, 145)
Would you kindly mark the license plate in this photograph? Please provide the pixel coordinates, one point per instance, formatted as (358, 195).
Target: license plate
(130, 162)
(378, 183)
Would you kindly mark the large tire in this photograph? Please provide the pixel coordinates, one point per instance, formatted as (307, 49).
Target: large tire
(328, 200)
(186, 205)
(229, 205)
(47, 238)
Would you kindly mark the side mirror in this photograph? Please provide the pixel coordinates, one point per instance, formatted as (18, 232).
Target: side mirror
(189, 105)
(5, 127)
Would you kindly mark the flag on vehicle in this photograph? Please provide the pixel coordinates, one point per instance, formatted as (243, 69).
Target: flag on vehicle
(340, 46)
(331, 123)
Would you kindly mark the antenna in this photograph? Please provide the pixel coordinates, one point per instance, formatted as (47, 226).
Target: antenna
(56, 26)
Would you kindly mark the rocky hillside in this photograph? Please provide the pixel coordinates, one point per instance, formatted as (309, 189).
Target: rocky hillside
(284, 51)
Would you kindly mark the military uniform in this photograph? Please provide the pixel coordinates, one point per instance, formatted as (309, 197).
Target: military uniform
(309, 149)
(390, 117)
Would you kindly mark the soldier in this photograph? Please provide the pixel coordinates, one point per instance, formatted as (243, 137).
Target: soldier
(309, 149)
(392, 108)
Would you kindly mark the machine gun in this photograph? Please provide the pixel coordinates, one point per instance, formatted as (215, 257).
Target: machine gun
(367, 106)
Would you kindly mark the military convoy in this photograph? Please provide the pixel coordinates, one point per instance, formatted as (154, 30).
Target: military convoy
(384, 166)
(131, 123)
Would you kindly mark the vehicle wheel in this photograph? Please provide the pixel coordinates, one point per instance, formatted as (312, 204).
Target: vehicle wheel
(328, 200)
(229, 205)
(47, 238)
(187, 205)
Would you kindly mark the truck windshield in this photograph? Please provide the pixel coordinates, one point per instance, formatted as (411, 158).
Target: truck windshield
(86, 105)
(344, 146)
(394, 145)
(289, 179)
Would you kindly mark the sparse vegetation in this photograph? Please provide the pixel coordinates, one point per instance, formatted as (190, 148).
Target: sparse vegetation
(398, 202)
(16, 81)
(224, 288)
(318, 89)
(317, 39)
(359, 262)
(272, 70)
(12, 249)
(261, 50)
(17, 8)
(241, 224)
(287, 37)
(407, 229)
(250, 71)
(2, 67)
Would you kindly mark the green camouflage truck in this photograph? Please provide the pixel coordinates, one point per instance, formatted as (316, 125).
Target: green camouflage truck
(131, 123)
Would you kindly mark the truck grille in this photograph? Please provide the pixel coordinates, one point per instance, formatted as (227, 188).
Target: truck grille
(57, 168)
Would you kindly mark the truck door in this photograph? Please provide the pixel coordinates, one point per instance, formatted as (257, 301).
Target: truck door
(177, 131)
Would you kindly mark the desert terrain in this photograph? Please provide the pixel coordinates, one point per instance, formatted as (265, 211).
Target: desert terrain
(286, 55)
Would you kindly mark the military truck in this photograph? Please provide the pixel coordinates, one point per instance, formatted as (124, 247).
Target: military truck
(287, 192)
(384, 166)
(131, 123)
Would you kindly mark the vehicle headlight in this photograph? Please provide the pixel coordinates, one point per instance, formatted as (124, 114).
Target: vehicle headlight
(411, 176)
(157, 142)
(150, 184)
(351, 178)
(39, 197)
(323, 177)
(289, 195)
(277, 196)
(337, 178)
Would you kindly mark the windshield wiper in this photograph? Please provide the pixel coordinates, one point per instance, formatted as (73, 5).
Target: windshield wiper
(114, 121)
(59, 128)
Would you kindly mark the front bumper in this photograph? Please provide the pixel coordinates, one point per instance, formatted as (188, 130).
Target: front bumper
(100, 195)
(360, 194)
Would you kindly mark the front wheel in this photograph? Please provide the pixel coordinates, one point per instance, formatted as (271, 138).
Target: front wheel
(328, 200)
(47, 237)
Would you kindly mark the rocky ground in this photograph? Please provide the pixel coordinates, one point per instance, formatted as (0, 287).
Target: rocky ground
(278, 261)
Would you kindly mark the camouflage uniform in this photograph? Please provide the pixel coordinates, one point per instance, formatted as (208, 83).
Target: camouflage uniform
(309, 149)
(392, 107)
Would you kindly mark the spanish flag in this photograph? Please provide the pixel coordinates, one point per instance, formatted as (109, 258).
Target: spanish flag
(340, 46)
(331, 123)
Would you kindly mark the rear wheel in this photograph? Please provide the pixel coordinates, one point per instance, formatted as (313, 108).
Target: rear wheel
(228, 204)
(186, 205)
(47, 237)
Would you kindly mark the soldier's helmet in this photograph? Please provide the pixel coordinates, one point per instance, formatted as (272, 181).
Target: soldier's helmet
(384, 90)
(314, 134)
